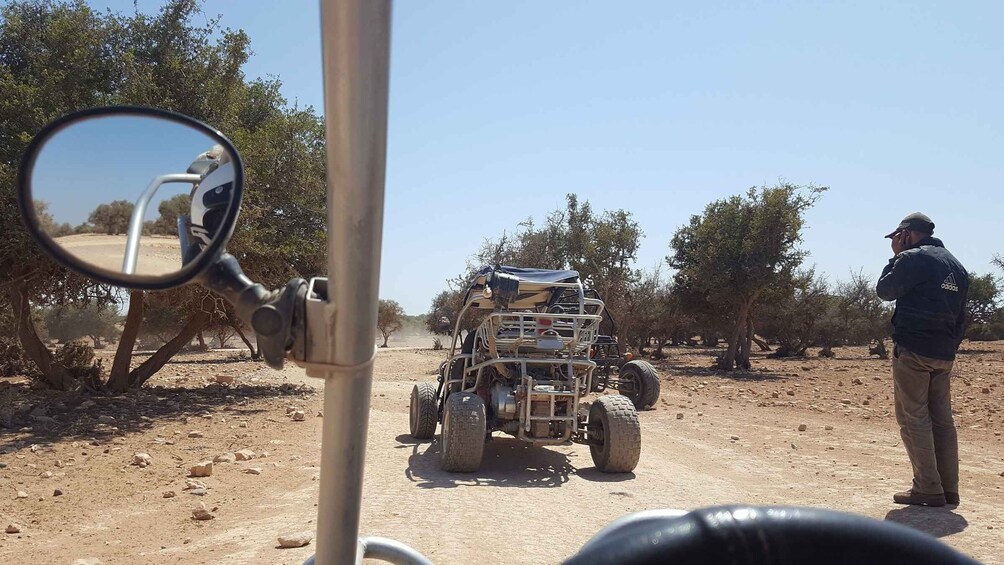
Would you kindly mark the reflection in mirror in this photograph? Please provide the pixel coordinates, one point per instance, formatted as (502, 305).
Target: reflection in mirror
(132, 194)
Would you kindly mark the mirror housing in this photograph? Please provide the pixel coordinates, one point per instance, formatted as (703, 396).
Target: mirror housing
(193, 266)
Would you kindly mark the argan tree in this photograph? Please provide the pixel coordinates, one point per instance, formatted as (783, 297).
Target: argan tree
(739, 248)
(111, 218)
(390, 318)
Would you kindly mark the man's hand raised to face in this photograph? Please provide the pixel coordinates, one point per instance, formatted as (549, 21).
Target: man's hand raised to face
(900, 242)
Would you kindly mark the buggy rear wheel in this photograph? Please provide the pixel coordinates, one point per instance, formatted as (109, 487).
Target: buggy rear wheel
(614, 434)
(423, 412)
(463, 433)
(643, 386)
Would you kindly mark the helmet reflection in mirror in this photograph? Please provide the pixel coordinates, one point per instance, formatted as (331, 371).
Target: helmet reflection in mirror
(211, 197)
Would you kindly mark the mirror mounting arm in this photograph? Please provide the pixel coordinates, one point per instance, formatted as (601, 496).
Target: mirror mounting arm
(270, 313)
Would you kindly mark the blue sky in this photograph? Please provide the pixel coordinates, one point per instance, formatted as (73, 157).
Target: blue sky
(97, 161)
(498, 109)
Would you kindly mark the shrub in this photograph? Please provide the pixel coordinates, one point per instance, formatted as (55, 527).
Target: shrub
(78, 359)
(12, 359)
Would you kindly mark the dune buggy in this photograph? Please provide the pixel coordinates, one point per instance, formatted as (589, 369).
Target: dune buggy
(524, 372)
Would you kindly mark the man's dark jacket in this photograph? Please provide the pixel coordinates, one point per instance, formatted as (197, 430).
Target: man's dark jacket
(930, 288)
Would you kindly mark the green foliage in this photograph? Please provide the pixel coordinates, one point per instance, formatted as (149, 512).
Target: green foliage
(652, 309)
(48, 223)
(444, 312)
(983, 300)
(985, 317)
(862, 316)
(75, 321)
(738, 249)
(78, 359)
(798, 314)
(170, 209)
(991, 330)
(112, 218)
(12, 359)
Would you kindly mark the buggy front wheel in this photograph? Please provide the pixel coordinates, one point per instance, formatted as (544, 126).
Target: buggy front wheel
(614, 434)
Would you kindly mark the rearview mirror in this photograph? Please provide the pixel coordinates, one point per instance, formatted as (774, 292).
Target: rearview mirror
(135, 197)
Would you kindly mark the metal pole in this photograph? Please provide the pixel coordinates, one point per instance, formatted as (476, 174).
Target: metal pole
(355, 37)
(135, 230)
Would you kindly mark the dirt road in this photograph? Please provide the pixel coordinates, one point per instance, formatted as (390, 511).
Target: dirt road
(158, 255)
(525, 504)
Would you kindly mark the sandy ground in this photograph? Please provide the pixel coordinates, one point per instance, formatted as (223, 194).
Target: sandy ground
(158, 255)
(551, 498)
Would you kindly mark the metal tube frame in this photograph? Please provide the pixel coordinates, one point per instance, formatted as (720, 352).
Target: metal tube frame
(355, 36)
(135, 231)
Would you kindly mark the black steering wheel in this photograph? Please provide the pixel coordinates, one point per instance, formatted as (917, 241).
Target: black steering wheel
(776, 535)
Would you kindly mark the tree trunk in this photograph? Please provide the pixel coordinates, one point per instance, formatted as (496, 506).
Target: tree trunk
(879, 349)
(119, 379)
(728, 360)
(747, 345)
(247, 342)
(386, 336)
(202, 342)
(148, 368)
(761, 344)
(53, 373)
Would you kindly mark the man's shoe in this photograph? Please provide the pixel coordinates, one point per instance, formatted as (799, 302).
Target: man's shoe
(951, 497)
(919, 498)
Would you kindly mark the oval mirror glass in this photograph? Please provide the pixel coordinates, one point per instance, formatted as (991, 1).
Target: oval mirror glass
(133, 197)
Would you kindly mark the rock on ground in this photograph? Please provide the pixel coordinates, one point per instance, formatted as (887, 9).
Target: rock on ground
(204, 469)
(244, 455)
(225, 458)
(142, 459)
(201, 513)
(16, 529)
(298, 539)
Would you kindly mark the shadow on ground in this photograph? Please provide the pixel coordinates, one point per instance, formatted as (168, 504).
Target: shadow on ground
(507, 462)
(30, 416)
(939, 522)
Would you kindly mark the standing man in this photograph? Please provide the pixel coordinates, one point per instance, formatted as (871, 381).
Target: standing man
(930, 288)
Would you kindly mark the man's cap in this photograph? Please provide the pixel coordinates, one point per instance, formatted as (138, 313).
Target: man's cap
(916, 222)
